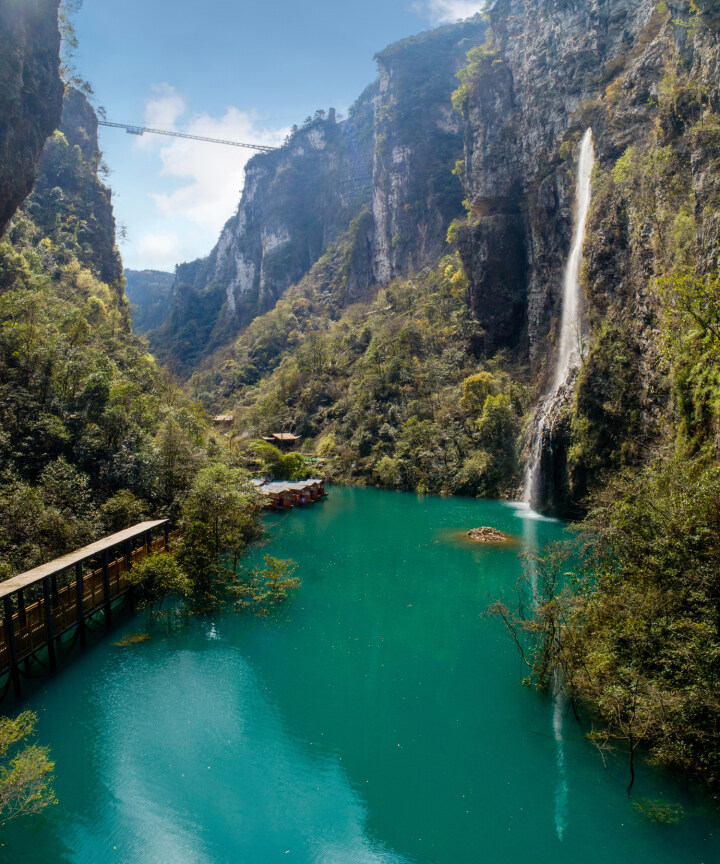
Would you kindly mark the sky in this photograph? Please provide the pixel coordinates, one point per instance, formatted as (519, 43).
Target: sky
(230, 69)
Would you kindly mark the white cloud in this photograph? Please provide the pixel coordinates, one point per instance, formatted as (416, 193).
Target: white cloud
(447, 11)
(197, 185)
(212, 174)
(162, 111)
(157, 251)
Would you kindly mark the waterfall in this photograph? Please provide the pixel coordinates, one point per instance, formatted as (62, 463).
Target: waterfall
(570, 351)
(571, 326)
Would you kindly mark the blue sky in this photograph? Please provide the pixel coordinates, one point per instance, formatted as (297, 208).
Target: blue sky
(240, 70)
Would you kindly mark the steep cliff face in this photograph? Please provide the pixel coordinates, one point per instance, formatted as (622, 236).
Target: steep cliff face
(69, 201)
(30, 94)
(418, 140)
(393, 157)
(295, 202)
(541, 77)
(531, 89)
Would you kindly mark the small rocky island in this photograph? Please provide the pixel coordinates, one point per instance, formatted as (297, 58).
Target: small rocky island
(486, 534)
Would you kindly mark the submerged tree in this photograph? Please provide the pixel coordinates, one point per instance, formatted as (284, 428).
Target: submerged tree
(25, 769)
(267, 586)
(224, 500)
(157, 577)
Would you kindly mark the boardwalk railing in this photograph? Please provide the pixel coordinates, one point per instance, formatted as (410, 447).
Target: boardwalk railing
(41, 605)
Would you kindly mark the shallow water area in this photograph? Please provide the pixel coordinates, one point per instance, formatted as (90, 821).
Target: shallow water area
(378, 717)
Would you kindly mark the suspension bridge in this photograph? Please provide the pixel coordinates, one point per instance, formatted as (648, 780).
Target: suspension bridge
(141, 130)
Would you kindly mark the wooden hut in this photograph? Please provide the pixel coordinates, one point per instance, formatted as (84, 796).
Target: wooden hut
(282, 440)
(283, 495)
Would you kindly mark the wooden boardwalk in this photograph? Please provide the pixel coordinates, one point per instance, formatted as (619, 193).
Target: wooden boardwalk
(43, 604)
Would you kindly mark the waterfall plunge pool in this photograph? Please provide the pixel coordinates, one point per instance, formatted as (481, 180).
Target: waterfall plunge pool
(378, 718)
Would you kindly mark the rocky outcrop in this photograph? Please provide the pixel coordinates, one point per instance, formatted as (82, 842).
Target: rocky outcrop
(489, 535)
(533, 90)
(388, 169)
(418, 140)
(69, 201)
(295, 202)
(30, 94)
(542, 76)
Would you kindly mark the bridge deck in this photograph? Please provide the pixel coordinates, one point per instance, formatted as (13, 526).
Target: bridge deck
(47, 601)
(59, 564)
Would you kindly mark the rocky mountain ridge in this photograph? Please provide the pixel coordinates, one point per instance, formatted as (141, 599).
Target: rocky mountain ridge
(393, 155)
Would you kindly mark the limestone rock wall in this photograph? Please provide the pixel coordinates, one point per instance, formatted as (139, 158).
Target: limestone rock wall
(30, 94)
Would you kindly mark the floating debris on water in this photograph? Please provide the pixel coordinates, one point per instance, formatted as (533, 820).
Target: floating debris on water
(132, 639)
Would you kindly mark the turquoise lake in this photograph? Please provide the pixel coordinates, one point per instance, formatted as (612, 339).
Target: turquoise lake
(378, 718)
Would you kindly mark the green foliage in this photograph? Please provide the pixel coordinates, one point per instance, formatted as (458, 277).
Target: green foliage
(380, 389)
(225, 501)
(649, 634)
(475, 390)
(93, 436)
(221, 516)
(498, 429)
(607, 410)
(25, 769)
(265, 587)
(636, 633)
(480, 61)
(157, 576)
(69, 204)
(660, 812)
(198, 558)
(84, 411)
(122, 510)
(276, 465)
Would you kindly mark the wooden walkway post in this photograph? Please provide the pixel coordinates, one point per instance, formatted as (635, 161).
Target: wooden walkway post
(129, 564)
(10, 631)
(79, 600)
(48, 623)
(106, 587)
(55, 602)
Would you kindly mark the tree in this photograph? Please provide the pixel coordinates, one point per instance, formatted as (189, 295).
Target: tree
(498, 433)
(176, 451)
(266, 587)
(158, 576)
(221, 515)
(123, 510)
(198, 558)
(475, 390)
(25, 771)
